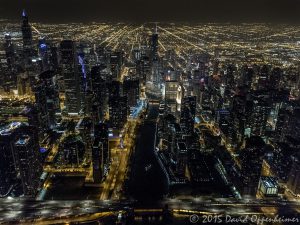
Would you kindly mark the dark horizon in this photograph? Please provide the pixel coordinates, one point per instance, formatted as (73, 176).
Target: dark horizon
(60, 11)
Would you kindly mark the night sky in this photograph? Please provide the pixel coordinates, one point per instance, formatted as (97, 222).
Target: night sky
(153, 10)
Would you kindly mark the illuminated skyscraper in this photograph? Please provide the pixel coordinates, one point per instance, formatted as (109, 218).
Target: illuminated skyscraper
(100, 152)
(26, 148)
(20, 154)
(71, 76)
(27, 39)
(251, 160)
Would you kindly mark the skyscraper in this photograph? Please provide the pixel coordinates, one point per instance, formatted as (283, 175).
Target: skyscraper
(154, 47)
(69, 64)
(187, 117)
(20, 154)
(101, 152)
(27, 39)
(27, 151)
(131, 89)
(251, 160)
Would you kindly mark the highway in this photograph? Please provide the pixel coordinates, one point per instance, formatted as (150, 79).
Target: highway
(25, 211)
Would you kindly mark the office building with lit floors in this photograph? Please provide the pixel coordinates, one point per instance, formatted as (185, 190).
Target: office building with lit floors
(251, 163)
(28, 161)
(171, 88)
(187, 117)
(49, 88)
(131, 89)
(71, 76)
(101, 136)
(19, 155)
(27, 39)
(118, 111)
(71, 151)
(97, 159)
(8, 172)
(293, 183)
(268, 187)
(181, 159)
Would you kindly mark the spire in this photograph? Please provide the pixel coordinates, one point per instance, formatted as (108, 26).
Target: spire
(24, 13)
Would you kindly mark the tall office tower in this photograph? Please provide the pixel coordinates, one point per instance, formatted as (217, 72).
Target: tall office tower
(171, 94)
(43, 50)
(85, 127)
(246, 76)
(97, 159)
(9, 52)
(230, 76)
(28, 49)
(263, 77)
(101, 151)
(275, 78)
(251, 163)
(53, 58)
(85, 81)
(292, 125)
(11, 160)
(10, 78)
(71, 76)
(259, 115)
(116, 63)
(240, 114)
(143, 68)
(181, 158)
(131, 89)
(50, 91)
(8, 171)
(188, 112)
(115, 89)
(99, 87)
(42, 107)
(154, 47)
(23, 83)
(282, 121)
(293, 183)
(27, 150)
(118, 111)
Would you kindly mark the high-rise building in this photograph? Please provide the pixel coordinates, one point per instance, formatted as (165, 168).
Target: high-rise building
(27, 151)
(101, 152)
(10, 78)
(251, 164)
(27, 39)
(275, 78)
(293, 183)
(188, 112)
(99, 88)
(43, 50)
(47, 98)
(8, 171)
(259, 115)
(181, 157)
(20, 154)
(116, 63)
(71, 76)
(42, 107)
(171, 94)
(154, 47)
(131, 89)
(118, 111)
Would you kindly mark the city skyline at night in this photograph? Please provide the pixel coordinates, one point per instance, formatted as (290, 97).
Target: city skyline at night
(155, 113)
